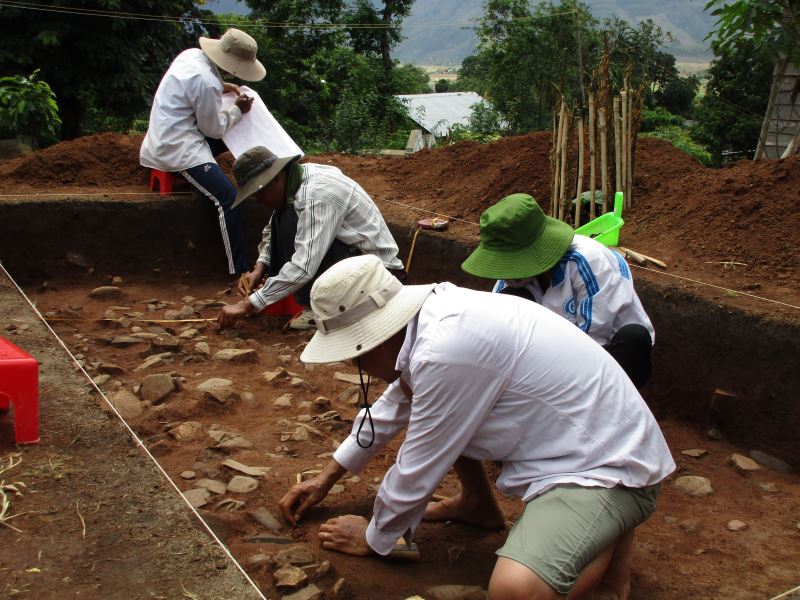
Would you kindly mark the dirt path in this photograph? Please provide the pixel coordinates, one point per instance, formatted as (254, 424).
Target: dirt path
(684, 551)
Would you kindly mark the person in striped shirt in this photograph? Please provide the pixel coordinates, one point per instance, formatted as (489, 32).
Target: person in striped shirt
(542, 259)
(320, 216)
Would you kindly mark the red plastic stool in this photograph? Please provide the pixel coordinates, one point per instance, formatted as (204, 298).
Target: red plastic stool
(287, 306)
(161, 182)
(19, 384)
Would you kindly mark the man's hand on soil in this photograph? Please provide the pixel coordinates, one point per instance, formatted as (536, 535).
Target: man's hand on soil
(301, 497)
(347, 534)
(230, 313)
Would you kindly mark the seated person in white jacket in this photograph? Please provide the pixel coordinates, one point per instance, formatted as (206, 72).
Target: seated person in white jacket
(542, 259)
(187, 123)
(490, 377)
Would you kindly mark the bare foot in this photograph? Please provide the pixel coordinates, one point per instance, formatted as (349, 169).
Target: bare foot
(483, 513)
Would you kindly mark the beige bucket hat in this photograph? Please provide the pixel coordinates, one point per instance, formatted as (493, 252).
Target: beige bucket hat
(357, 306)
(254, 169)
(235, 52)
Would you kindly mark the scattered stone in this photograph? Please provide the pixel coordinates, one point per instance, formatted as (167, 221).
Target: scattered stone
(339, 589)
(289, 577)
(151, 361)
(694, 485)
(212, 485)
(715, 434)
(186, 431)
(354, 479)
(76, 259)
(296, 555)
(283, 401)
(743, 464)
(769, 487)
(127, 405)
(101, 379)
(776, 464)
(197, 497)
(188, 474)
(256, 560)
(116, 280)
(247, 470)
(224, 395)
(110, 315)
(267, 539)
(455, 592)
(242, 484)
(266, 519)
(285, 359)
(350, 395)
(694, 452)
(323, 568)
(691, 525)
(300, 434)
(188, 334)
(270, 376)
(214, 382)
(202, 348)
(110, 368)
(235, 355)
(347, 378)
(165, 343)
(311, 592)
(156, 387)
(106, 291)
(336, 488)
(736, 525)
(144, 335)
(123, 341)
(229, 440)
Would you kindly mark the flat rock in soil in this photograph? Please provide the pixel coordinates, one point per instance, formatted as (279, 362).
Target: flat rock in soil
(106, 291)
(770, 462)
(110, 369)
(742, 463)
(289, 577)
(312, 592)
(736, 525)
(153, 361)
(266, 519)
(127, 404)
(197, 497)
(165, 343)
(455, 592)
(236, 355)
(694, 485)
(296, 555)
(224, 396)
(202, 348)
(186, 431)
(156, 387)
(247, 470)
(241, 484)
(694, 452)
(214, 382)
(212, 485)
(123, 341)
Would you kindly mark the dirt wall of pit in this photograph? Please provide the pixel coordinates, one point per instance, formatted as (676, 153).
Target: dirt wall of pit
(701, 347)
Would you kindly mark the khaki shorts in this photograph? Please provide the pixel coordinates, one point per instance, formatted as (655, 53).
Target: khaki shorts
(562, 530)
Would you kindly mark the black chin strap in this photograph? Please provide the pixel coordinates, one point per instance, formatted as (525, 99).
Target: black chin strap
(365, 406)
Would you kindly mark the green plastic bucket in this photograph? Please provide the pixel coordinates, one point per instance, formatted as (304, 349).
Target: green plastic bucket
(605, 228)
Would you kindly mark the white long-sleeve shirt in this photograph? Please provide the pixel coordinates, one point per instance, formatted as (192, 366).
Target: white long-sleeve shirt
(591, 287)
(329, 206)
(187, 107)
(496, 377)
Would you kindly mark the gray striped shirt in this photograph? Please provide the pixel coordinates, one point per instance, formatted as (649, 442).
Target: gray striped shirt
(329, 206)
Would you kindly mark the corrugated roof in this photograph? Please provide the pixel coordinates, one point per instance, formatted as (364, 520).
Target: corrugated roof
(438, 112)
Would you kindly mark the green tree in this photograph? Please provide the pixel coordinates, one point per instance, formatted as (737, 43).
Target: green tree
(678, 95)
(729, 115)
(97, 60)
(28, 108)
(409, 79)
(441, 86)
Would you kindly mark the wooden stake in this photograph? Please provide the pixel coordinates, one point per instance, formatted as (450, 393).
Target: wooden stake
(579, 176)
(592, 180)
(564, 160)
(557, 162)
(603, 156)
(617, 149)
(623, 100)
(629, 160)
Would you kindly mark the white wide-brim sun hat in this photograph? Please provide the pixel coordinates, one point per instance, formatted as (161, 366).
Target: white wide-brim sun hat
(235, 52)
(357, 306)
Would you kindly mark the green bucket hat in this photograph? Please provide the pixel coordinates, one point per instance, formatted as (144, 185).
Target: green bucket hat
(517, 240)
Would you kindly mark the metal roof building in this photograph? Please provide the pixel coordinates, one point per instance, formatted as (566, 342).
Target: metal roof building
(436, 113)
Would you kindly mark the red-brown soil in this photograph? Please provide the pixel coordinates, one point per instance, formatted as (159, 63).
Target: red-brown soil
(692, 217)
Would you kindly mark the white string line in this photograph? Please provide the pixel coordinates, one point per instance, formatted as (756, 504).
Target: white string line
(133, 434)
(82, 194)
(698, 282)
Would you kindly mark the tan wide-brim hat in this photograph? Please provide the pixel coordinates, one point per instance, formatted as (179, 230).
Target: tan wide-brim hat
(235, 52)
(254, 169)
(358, 304)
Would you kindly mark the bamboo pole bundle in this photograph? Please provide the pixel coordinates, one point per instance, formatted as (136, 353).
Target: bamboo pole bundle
(554, 160)
(623, 100)
(592, 158)
(579, 176)
(558, 157)
(601, 119)
(629, 148)
(604, 103)
(564, 161)
(618, 144)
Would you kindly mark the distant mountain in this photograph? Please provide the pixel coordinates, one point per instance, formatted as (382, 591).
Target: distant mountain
(438, 32)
